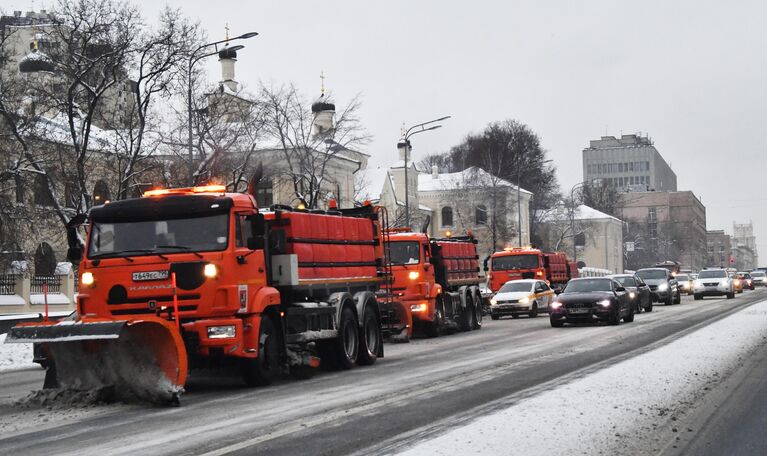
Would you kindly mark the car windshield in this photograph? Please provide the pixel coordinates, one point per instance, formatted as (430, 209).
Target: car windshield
(516, 286)
(503, 263)
(715, 274)
(404, 252)
(652, 273)
(197, 234)
(626, 281)
(587, 285)
(682, 277)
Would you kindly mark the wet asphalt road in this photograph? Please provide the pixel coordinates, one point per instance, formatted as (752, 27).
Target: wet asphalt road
(418, 389)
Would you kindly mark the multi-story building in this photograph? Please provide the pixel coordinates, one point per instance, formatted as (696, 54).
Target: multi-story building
(719, 248)
(631, 163)
(665, 226)
(744, 246)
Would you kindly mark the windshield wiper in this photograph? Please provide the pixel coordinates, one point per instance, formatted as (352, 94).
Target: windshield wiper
(120, 254)
(180, 247)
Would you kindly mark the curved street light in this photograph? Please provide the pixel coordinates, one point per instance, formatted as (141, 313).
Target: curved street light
(194, 58)
(414, 130)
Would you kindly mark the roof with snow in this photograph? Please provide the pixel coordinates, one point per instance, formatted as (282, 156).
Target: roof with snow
(581, 212)
(470, 178)
(374, 181)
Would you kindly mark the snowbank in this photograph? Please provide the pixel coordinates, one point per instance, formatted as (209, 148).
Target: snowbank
(15, 356)
(615, 410)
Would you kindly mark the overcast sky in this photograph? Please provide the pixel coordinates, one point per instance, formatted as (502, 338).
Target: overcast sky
(691, 74)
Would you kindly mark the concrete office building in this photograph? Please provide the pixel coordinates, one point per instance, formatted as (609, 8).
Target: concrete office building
(631, 163)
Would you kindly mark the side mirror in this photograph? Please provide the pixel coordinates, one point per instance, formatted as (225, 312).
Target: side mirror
(257, 225)
(426, 266)
(256, 243)
(620, 289)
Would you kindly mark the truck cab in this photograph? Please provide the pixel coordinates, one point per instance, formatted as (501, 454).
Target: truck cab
(436, 281)
(515, 264)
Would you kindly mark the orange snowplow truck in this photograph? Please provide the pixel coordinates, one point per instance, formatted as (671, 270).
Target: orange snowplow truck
(197, 277)
(436, 281)
(523, 263)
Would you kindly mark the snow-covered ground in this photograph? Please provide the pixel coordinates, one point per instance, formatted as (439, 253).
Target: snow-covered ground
(616, 410)
(15, 356)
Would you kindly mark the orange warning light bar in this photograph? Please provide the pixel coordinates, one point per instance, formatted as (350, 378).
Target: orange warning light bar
(216, 188)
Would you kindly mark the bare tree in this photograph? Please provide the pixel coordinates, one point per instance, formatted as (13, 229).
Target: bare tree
(307, 154)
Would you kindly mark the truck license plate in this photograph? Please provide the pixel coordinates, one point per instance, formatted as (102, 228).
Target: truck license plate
(150, 275)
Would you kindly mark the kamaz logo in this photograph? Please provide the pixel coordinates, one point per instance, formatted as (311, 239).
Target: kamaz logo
(150, 287)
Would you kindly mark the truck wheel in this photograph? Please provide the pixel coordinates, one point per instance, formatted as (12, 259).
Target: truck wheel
(533, 311)
(370, 338)
(434, 327)
(476, 321)
(466, 319)
(263, 370)
(347, 343)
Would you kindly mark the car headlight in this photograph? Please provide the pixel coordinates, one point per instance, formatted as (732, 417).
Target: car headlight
(737, 281)
(87, 278)
(210, 271)
(221, 332)
(723, 283)
(493, 301)
(556, 305)
(663, 287)
(418, 307)
(525, 300)
(632, 295)
(605, 303)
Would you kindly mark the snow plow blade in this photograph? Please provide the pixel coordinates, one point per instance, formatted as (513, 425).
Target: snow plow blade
(143, 359)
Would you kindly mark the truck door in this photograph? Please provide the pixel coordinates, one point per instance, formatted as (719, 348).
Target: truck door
(251, 273)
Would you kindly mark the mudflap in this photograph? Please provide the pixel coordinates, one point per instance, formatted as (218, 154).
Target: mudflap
(396, 321)
(142, 359)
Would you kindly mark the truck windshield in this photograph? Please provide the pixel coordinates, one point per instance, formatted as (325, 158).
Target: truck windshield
(404, 252)
(587, 285)
(652, 273)
(197, 234)
(503, 263)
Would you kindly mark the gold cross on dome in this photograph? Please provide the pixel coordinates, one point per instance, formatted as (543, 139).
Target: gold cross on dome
(322, 83)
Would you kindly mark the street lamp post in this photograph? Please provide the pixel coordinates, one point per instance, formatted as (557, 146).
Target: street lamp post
(194, 58)
(519, 203)
(572, 216)
(415, 129)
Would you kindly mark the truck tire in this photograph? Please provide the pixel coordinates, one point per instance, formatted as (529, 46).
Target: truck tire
(466, 319)
(347, 343)
(434, 327)
(476, 320)
(370, 337)
(263, 370)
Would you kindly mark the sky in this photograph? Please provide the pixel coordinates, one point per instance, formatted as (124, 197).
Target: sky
(690, 74)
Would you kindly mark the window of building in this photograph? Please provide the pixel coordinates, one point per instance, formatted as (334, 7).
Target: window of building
(631, 166)
(447, 216)
(42, 196)
(647, 166)
(480, 215)
(652, 215)
(620, 167)
(264, 193)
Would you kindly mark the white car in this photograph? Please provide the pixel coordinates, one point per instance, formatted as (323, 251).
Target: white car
(759, 278)
(713, 282)
(516, 297)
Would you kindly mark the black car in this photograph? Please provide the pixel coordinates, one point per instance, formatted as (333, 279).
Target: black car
(592, 299)
(638, 291)
(663, 285)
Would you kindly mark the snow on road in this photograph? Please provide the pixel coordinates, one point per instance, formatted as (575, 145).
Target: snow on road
(15, 356)
(616, 410)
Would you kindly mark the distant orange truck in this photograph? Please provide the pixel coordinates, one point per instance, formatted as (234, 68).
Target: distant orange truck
(525, 263)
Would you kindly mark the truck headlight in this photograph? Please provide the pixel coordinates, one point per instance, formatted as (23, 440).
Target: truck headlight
(413, 275)
(418, 307)
(87, 278)
(221, 332)
(663, 287)
(210, 271)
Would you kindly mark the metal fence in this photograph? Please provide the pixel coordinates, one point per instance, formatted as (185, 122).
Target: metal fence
(8, 283)
(37, 284)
